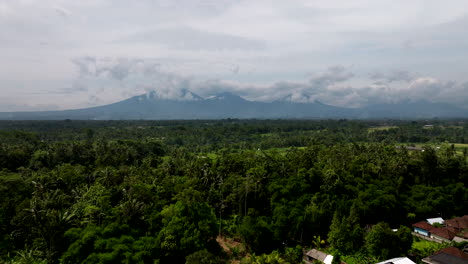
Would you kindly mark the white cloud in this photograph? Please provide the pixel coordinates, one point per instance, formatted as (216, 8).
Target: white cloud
(187, 38)
(262, 44)
(62, 11)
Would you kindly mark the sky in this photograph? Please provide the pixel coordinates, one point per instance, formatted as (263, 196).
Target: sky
(68, 54)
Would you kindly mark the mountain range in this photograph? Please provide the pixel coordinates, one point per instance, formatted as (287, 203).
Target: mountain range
(188, 105)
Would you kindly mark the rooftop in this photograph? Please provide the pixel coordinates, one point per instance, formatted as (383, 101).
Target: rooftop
(438, 220)
(423, 225)
(458, 222)
(444, 258)
(316, 254)
(401, 260)
(454, 252)
(445, 232)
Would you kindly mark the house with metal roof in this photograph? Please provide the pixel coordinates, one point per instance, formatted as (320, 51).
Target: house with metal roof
(443, 234)
(460, 223)
(402, 260)
(436, 220)
(450, 255)
(315, 254)
(423, 228)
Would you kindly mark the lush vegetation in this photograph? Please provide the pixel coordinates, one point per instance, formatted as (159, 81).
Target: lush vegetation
(163, 192)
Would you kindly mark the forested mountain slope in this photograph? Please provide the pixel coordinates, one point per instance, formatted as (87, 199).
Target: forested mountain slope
(227, 105)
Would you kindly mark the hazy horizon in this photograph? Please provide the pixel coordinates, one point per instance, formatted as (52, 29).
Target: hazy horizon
(59, 54)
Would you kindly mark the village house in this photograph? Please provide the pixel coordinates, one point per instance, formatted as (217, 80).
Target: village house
(423, 228)
(450, 255)
(459, 223)
(315, 254)
(461, 237)
(411, 148)
(440, 230)
(402, 260)
(436, 220)
(443, 234)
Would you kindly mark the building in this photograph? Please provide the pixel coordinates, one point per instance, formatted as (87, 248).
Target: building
(443, 234)
(314, 254)
(401, 260)
(459, 223)
(450, 255)
(437, 220)
(411, 148)
(440, 230)
(422, 228)
(461, 237)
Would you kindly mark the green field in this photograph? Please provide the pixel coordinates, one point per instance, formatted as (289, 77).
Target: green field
(460, 146)
(380, 128)
(426, 248)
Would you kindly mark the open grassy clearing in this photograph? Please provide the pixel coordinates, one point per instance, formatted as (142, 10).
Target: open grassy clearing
(460, 145)
(419, 247)
(426, 248)
(214, 155)
(283, 150)
(380, 128)
(267, 134)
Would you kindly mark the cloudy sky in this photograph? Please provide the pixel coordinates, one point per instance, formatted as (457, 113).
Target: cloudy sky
(61, 54)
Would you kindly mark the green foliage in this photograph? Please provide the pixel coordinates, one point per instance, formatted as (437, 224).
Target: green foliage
(202, 257)
(293, 254)
(108, 245)
(380, 241)
(344, 237)
(383, 243)
(25, 256)
(257, 234)
(162, 191)
(361, 257)
(272, 258)
(336, 259)
(188, 226)
(424, 248)
(405, 239)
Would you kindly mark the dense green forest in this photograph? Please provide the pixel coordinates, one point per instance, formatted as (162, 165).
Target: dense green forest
(166, 191)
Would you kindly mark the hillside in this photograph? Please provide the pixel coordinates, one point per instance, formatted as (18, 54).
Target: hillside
(227, 105)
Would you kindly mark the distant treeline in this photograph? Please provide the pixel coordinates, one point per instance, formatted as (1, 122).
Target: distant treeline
(203, 133)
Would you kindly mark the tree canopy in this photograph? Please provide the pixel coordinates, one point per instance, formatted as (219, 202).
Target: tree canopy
(164, 191)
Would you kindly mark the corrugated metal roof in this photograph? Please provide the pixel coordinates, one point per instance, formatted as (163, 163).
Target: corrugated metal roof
(321, 256)
(316, 254)
(454, 252)
(444, 258)
(401, 260)
(328, 259)
(438, 220)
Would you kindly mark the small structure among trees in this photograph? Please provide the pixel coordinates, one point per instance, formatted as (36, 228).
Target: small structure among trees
(402, 260)
(315, 254)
